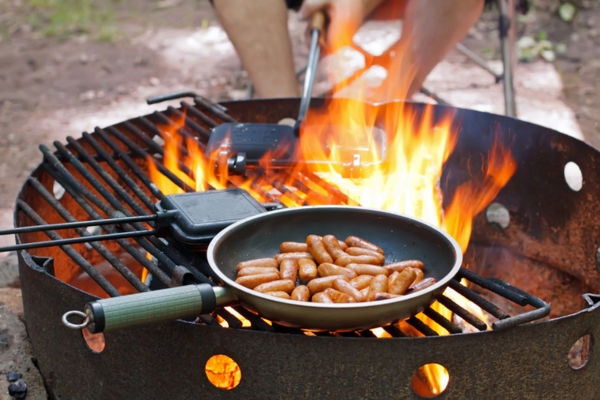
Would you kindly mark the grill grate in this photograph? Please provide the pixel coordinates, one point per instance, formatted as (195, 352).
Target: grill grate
(104, 173)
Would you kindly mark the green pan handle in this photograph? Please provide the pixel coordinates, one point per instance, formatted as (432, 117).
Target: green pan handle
(154, 307)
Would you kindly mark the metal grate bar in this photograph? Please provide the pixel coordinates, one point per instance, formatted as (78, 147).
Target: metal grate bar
(101, 249)
(78, 258)
(441, 320)
(122, 155)
(194, 112)
(477, 299)
(203, 132)
(131, 184)
(461, 312)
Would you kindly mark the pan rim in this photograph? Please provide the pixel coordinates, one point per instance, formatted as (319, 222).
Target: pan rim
(228, 282)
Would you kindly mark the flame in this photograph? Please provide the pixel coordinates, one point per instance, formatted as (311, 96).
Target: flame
(388, 157)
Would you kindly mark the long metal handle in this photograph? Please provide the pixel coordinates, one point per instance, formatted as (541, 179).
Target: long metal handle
(317, 31)
(151, 307)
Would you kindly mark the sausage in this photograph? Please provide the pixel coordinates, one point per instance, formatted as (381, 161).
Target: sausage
(256, 270)
(300, 293)
(378, 285)
(355, 241)
(343, 245)
(359, 251)
(284, 285)
(292, 256)
(422, 285)
(399, 266)
(419, 278)
(319, 284)
(332, 245)
(321, 298)
(345, 287)
(307, 269)
(367, 269)
(339, 297)
(259, 262)
(293, 247)
(328, 269)
(288, 269)
(361, 281)
(398, 282)
(280, 294)
(385, 296)
(252, 281)
(364, 292)
(345, 260)
(317, 249)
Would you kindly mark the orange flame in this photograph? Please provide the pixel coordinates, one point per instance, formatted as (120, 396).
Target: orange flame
(387, 157)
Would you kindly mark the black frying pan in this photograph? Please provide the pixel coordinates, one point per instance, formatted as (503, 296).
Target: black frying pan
(259, 236)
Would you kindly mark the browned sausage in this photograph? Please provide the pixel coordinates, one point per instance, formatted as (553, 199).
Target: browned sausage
(307, 269)
(421, 285)
(345, 287)
(284, 285)
(252, 281)
(319, 284)
(288, 269)
(256, 270)
(293, 247)
(361, 281)
(328, 269)
(260, 262)
(367, 269)
(378, 285)
(332, 245)
(420, 276)
(292, 256)
(280, 294)
(301, 293)
(359, 251)
(339, 297)
(355, 241)
(321, 298)
(345, 260)
(385, 296)
(398, 282)
(317, 249)
(343, 245)
(399, 266)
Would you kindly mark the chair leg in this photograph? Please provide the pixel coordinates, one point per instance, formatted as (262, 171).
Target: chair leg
(507, 37)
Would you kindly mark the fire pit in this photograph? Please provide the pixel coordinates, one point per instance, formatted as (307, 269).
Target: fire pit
(538, 235)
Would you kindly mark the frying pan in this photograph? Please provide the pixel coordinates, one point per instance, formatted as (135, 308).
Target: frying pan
(259, 236)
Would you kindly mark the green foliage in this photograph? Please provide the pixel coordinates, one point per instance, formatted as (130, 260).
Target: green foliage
(63, 18)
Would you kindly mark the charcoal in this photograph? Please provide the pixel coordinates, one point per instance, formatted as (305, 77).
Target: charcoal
(13, 376)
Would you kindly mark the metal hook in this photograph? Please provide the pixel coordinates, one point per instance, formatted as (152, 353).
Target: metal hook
(84, 324)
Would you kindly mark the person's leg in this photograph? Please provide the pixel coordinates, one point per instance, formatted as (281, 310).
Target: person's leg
(431, 29)
(258, 30)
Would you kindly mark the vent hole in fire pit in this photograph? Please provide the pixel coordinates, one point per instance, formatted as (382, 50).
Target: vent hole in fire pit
(430, 380)
(94, 341)
(497, 214)
(223, 372)
(58, 191)
(580, 352)
(573, 176)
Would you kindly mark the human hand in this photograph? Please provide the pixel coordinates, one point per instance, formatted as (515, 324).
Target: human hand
(345, 17)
